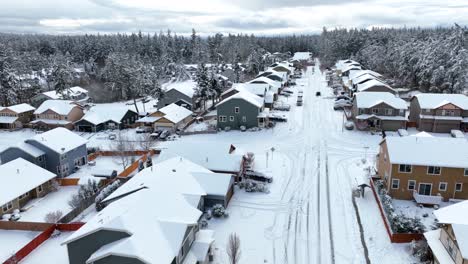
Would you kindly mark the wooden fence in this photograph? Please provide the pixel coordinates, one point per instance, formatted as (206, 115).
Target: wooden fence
(394, 237)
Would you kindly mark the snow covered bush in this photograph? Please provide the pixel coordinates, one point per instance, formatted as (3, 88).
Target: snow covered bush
(107, 191)
(218, 210)
(53, 217)
(54, 186)
(421, 251)
(252, 186)
(85, 192)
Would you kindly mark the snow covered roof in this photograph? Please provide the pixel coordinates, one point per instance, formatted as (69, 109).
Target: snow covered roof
(19, 108)
(175, 113)
(59, 140)
(50, 121)
(203, 240)
(185, 87)
(453, 214)
(214, 157)
(371, 99)
(381, 117)
(8, 119)
(61, 107)
(302, 55)
(266, 80)
(269, 97)
(416, 150)
(350, 67)
(213, 183)
(461, 234)
(432, 101)
(255, 88)
(363, 78)
(20, 176)
(246, 96)
(72, 91)
(30, 149)
(168, 185)
(437, 248)
(369, 84)
(101, 113)
(357, 74)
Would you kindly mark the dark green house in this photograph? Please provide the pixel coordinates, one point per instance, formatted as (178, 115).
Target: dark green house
(241, 109)
(101, 118)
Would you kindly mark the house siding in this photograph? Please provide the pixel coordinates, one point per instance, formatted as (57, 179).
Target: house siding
(246, 109)
(118, 260)
(13, 153)
(173, 96)
(80, 250)
(34, 193)
(386, 125)
(432, 125)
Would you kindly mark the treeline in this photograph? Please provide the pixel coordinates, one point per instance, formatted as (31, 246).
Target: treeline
(124, 65)
(434, 60)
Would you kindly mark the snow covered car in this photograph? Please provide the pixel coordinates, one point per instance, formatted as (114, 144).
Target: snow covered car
(112, 136)
(288, 91)
(349, 125)
(283, 93)
(341, 104)
(278, 118)
(143, 129)
(343, 97)
(164, 135)
(282, 107)
(258, 176)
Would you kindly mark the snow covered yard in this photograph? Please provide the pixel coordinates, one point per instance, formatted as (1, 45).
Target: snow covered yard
(103, 165)
(51, 247)
(37, 209)
(411, 209)
(13, 240)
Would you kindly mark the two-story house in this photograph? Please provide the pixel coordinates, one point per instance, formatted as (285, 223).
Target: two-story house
(374, 86)
(241, 109)
(21, 182)
(260, 89)
(424, 168)
(379, 110)
(15, 116)
(58, 150)
(439, 113)
(170, 117)
(449, 244)
(57, 113)
(180, 93)
(129, 231)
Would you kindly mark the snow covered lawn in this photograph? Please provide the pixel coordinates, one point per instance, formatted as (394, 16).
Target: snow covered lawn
(202, 126)
(103, 164)
(13, 240)
(38, 208)
(50, 250)
(411, 209)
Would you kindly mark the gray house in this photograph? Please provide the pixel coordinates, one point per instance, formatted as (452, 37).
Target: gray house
(58, 150)
(180, 93)
(128, 231)
(241, 109)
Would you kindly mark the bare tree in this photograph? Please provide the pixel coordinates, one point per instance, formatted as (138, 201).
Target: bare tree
(233, 248)
(122, 146)
(146, 142)
(53, 217)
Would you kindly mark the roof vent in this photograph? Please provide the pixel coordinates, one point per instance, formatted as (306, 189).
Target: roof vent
(173, 170)
(63, 149)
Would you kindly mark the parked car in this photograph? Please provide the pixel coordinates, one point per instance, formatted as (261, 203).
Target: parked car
(288, 91)
(343, 97)
(143, 129)
(164, 135)
(318, 93)
(282, 107)
(278, 117)
(341, 104)
(258, 176)
(112, 136)
(155, 134)
(283, 93)
(349, 125)
(299, 102)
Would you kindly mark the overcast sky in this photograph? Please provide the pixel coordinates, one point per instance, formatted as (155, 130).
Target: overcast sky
(225, 16)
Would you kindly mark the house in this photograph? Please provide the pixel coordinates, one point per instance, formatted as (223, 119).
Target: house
(449, 243)
(15, 116)
(357, 74)
(277, 76)
(76, 94)
(242, 109)
(374, 86)
(170, 117)
(282, 67)
(21, 182)
(57, 113)
(439, 113)
(263, 80)
(106, 116)
(259, 89)
(153, 218)
(347, 70)
(424, 168)
(379, 110)
(180, 93)
(304, 56)
(58, 150)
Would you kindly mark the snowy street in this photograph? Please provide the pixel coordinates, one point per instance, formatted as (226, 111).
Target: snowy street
(308, 216)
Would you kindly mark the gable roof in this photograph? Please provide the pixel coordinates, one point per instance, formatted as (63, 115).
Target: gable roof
(19, 108)
(175, 113)
(255, 88)
(370, 99)
(106, 112)
(363, 78)
(416, 150)
(185, 87)
(20, 176)
(433, 101)
(357, 74)
(302, 55)
(73, 91)
(246, 96)
(61, 107)
(266, 80)
(369, 84)
(59, 140)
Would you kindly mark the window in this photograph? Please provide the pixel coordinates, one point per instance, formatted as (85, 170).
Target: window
(458, 187)
(244, 119)
(222, 118)
(231, 118)
(404, 168)
(361, 111)
(442, 186)
(433, 170)
(395, 183)
(24, 196)
(466, 172)
(389, 111)
(39, 188)
(375, 110)
(236, 110)
(411, 184)
(7, 206)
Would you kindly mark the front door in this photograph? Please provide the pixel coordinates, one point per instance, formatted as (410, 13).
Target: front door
(425, 189)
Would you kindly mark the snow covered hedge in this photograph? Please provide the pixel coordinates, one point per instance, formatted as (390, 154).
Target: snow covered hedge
(399, 223)
(252, 186)
(107, 191)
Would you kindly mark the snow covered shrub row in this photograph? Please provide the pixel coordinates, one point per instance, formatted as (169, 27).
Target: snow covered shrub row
(252, 186)
(85, 192)
(107, 191)
(218, 210)
(399, 223)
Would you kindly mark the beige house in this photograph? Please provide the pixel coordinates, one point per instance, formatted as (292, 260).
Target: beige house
(449, 244)
(424, 168)
(170, 117)
(21, 182)
(57, 113)
(439, 113)
(15, 116)
(379, 111)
